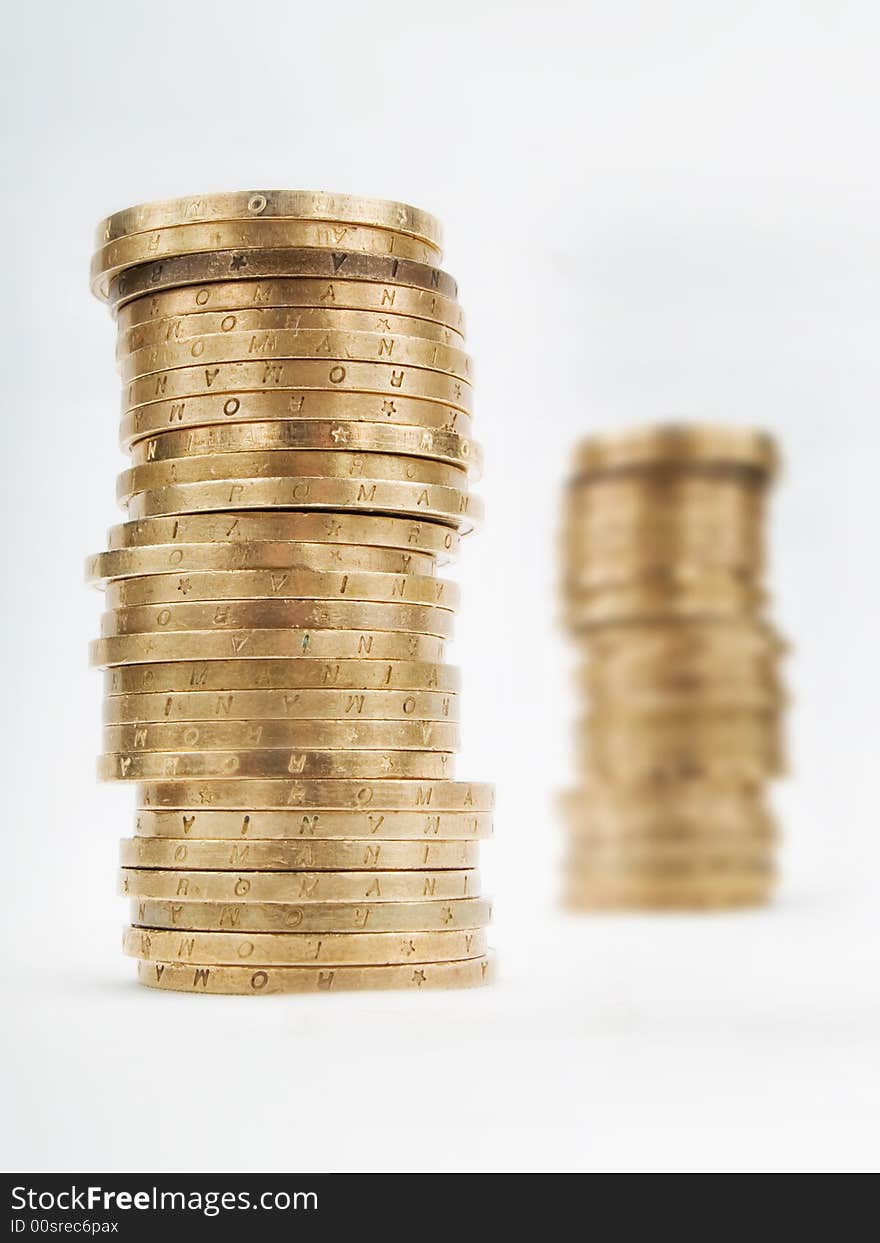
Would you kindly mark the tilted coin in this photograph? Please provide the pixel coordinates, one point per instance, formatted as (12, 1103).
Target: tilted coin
(464, 973)
(222, 677)
(304, 856)
(180, 328)
(374, 530)
(310, 917)
(310, 293)
(344, 410)
(349, 825)
(267, 763)
(311, 706)
(209, 615)
(226, 645)
(272, 204)
(135, 249)
(291, 464)
(138, 562)
(274, 948)
(449, 506)
(390, 795)
(317, 435)
(299, 887)
(299, 374)
(294, 343)
(283, 584)
(298, 734)
(333, 265)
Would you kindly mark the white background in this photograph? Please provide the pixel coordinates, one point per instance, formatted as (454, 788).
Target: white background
(652, 210)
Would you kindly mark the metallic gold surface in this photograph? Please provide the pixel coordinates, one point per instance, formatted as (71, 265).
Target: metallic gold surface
(298, 887)
(280, 293)
(280, 948)
(434, 916)
(466, 973)
(297, 856)
(329, 265)
(297, 410)
(663, 563)
(349, 825)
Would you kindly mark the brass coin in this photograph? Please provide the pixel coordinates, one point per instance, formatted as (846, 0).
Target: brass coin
(297, 856)
(422, 796)
(318, 435)
(330, 265)
(175, 977)
(270, 764)
(291, 465)
(372, 530)
(179, 559)
(387, 380)
(301, 735)
(312, 294)
(325, 615)
(228, 645)
(344, 411)
(278, 948)
(309, 706)
(272, 205)
(222, 677)
(295, 343)
(311, 917)
(348, 825)
(176, 329)
(298, 887)
(135, 249)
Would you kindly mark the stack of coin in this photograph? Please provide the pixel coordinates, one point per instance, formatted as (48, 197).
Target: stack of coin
(297, 407)
(663, 566)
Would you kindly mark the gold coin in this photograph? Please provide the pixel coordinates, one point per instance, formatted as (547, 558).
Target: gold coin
(251, 297)
(465, 973)
(301, 734)
(293, 343)
(349, 825)
(678, 445)
(311, 917)
(299, 374)
(303, 856)
(135, 249)
(318, 435)
(277, 763)
(221, 677)
(207, 645)
(611, 894)
(272, 204)
(274, 948)
(299, 887)
(418, 501)
(277, 614)
(423, 796)
(332, 265)
(343, 410)
(283, 584)
(258, 319)
(293, 465)
(373, 530)
(309, 706)
(103, 568)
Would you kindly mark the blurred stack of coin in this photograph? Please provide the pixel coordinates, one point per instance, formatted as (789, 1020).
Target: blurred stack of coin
(297, 407)
(663, 564)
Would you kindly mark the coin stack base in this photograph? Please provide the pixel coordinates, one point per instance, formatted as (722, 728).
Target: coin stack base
(297, 407)
(663, 556)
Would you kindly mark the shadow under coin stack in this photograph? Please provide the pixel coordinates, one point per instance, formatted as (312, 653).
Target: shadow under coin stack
(297, 406)
(663, 560)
